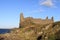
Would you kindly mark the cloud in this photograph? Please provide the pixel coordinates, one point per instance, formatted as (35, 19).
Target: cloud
(36, 11)
(48, 3)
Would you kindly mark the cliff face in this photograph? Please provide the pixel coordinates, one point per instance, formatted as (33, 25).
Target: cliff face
(33, 32)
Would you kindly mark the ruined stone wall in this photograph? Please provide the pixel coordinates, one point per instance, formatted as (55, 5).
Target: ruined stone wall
(36, 21)
(39, 21)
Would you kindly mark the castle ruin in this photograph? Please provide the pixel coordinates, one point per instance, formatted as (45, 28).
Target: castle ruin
(35, 20)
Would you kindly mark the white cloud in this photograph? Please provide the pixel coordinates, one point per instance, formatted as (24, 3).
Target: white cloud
(36, 11)
(48, 3)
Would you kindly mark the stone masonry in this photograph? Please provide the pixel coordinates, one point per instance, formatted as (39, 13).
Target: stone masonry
(35, 20)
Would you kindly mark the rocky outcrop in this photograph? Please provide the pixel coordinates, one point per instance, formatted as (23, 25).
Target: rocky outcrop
(34, 32)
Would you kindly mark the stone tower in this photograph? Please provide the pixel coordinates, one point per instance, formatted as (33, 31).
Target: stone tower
(47, 18)
(52, 18)
(21, 19)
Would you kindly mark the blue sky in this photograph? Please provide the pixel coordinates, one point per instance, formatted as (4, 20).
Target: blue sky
(11, 9)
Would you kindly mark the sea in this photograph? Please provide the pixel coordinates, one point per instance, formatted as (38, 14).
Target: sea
(3, 31)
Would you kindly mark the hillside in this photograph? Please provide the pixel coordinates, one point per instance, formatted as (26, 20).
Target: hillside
(34, 32)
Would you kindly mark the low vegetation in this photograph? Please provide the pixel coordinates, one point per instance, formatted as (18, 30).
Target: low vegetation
(31, 32)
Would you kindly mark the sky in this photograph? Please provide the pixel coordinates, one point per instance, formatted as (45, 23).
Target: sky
(10, 11)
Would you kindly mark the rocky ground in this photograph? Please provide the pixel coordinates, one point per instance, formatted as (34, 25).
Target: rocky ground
(34, 32)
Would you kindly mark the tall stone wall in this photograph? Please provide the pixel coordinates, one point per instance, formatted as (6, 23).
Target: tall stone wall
(36, 21)
(42, 21)
(21, 17)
